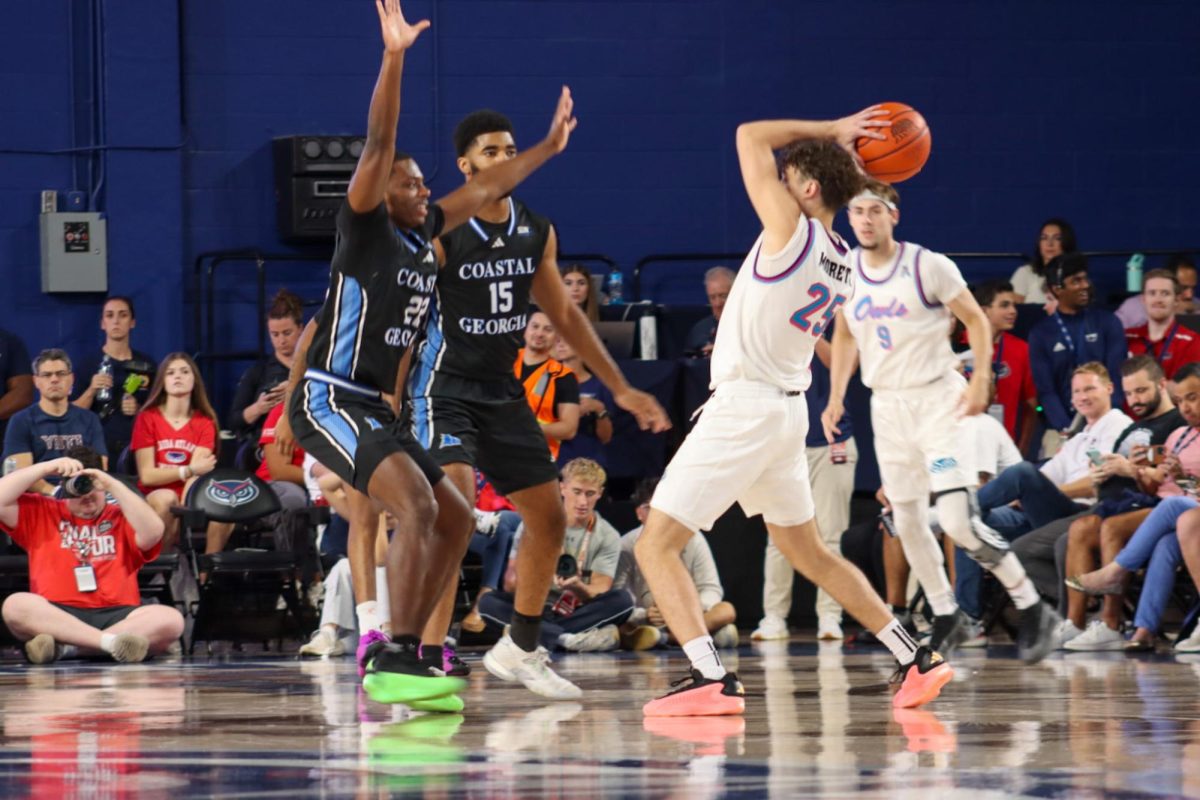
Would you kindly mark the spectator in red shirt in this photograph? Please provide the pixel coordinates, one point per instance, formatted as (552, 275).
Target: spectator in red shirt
(84, 556)
(1162, 337)
(175, 442)
(1015, 390)
(286, 475)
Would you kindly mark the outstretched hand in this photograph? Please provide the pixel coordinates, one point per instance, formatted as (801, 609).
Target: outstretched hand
(398, 34)
(865, 124)
(563, 123)
(646, 410)
(830, 419)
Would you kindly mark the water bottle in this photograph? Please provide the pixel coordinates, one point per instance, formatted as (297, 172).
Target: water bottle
(106, 368)
(616, 286)
(10, 465)
(1133, 273)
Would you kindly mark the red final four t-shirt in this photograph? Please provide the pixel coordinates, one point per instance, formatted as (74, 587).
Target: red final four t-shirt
(173, 447)
(53, 537)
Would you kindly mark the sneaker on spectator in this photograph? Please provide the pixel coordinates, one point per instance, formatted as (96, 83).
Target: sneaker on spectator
(1191, 644)
(486, 522)
(1097, 636)
(324, 642)
(976, 638)
(364, 643)
(42, 649)
(606, 637)
(510, 663)
(1065, 632)
(770, 628)
(829, 628)
(643, 637)
(726, 638)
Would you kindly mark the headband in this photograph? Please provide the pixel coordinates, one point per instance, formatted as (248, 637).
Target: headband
(868, 195)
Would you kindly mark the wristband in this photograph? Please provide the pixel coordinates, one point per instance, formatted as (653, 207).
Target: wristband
(184, 473)
(602, 414)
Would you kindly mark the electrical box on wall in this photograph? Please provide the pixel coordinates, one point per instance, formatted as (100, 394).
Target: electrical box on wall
(74, 252)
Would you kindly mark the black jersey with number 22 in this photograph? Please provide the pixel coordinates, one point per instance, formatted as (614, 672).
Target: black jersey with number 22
(381, 279)
(481, 304)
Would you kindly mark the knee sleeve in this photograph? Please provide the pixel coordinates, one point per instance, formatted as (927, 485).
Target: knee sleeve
(960, 519)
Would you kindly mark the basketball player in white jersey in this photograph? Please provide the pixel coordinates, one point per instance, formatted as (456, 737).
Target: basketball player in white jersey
(748, 446)
(897, 317)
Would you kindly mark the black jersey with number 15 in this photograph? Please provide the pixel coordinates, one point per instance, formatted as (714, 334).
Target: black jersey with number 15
(380, 282)
(481, 304)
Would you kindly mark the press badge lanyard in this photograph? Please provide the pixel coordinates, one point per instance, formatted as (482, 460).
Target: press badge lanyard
(1066, 333)
(1166, 344)
(85, 575)
(581, 556)
(1184, 441)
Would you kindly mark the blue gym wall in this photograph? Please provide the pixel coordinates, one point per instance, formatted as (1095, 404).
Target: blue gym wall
(1080, 109)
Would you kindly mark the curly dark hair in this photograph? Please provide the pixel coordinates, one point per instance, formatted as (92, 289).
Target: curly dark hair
(476, 124)
(829, 165)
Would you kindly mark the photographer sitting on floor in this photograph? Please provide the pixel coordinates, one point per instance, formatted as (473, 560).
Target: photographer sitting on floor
(84, 557)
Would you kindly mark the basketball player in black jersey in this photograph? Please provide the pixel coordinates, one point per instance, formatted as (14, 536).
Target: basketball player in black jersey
(381, 280)
(470, 410)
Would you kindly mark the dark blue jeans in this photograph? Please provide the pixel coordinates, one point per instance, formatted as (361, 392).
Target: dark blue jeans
(611, 608)
(1041, 504)
(494, 549)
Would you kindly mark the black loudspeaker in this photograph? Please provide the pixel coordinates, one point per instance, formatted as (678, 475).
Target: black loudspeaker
(312, 174)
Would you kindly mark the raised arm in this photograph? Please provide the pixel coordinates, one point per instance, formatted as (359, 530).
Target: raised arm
(369, 183)
(496, 182)
(16, 483)
(757, 142)
(147, 524)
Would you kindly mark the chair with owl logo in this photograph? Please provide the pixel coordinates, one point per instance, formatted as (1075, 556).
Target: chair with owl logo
(241, 588)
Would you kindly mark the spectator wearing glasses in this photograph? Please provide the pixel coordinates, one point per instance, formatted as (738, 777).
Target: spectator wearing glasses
(16, 381)
(116, 395)
(718, 282)
(52, 426)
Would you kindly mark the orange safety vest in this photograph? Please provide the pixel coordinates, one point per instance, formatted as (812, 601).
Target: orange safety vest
(539, 391)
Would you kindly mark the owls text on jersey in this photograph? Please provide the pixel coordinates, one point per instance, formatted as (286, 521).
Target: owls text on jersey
(899, 318)
(380, 282)
(779, 306)
(481, 305)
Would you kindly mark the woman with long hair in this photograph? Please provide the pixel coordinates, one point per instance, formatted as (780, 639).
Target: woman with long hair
(174, 442)
(578, 280)
(261, 387)
(1055, 237)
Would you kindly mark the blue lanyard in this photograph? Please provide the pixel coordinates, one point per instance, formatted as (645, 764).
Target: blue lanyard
(1066, 333)
(1166, 343)
(998, 357)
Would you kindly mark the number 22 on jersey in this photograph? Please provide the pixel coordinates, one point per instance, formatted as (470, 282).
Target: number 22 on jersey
(822, 300)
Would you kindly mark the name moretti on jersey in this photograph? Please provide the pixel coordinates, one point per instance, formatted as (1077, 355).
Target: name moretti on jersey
(501, 268)
(836, 272)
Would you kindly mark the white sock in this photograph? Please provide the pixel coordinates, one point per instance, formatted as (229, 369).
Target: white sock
(107, 641)
(898, 641)
(924, 555)
(1012, 575)
(961, 521)
(368, 618)
(383, 605)
(703, 654)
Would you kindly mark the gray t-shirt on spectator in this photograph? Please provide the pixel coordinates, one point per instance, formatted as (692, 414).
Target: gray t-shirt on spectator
(603, 550)
(697, 557)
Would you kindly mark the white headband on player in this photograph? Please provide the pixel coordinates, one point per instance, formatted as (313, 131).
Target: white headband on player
(867, 195)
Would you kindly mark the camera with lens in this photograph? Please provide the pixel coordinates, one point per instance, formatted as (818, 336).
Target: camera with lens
(79, 486)
(567, 567)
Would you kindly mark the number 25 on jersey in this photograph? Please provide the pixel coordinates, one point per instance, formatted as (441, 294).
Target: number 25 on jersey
(822, 303)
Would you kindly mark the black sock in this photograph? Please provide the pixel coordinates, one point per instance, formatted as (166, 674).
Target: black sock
(524, 631)
(407, 641)
(432, 654)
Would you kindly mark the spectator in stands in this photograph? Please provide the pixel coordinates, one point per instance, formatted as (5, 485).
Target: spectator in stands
(831, 470)
(550, 388)
(1056, 489)
(47, 429)
(1162, 337)
(583, 610)
(595, 404)
(1123, 554)
(262, 387)
(1073, 335)
(84, 556)
(338, 630)
(175, 442)
(1055, 238)
(1187, 529)
(1043, 551)
(1132, 312)
(718, 282)
(128, 380)
(492, 541)
(1016, 394)
(719, 613)
(284, 473)
(578, 280)
(16, 381)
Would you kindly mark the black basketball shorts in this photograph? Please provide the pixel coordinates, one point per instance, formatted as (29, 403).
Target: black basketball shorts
(487, 424)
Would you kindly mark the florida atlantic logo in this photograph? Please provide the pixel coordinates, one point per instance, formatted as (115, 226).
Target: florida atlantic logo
(232, 493)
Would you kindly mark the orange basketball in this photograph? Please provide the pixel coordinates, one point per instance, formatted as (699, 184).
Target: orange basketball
(905, 150)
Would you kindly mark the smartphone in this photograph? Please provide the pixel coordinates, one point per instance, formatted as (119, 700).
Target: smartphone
(1095, 457)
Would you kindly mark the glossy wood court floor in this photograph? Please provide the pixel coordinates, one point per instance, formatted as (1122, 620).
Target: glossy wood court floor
(818, 723)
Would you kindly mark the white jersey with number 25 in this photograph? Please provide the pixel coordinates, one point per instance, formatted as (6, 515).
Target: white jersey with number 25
(778, 307)
(899, 317)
